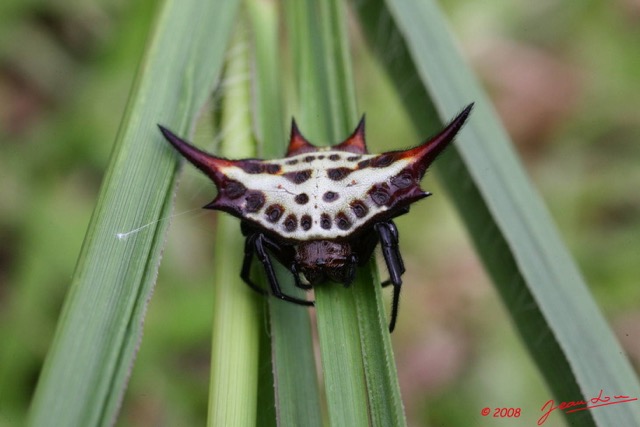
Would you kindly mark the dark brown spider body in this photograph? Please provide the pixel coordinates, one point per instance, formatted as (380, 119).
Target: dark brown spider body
(324, 260)
(321, 211)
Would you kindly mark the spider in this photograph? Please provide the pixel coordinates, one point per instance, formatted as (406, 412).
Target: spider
(321, 211)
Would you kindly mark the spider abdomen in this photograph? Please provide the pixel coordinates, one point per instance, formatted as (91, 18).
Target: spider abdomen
(326, 195)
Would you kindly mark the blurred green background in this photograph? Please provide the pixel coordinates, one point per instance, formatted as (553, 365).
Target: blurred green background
(565, 78)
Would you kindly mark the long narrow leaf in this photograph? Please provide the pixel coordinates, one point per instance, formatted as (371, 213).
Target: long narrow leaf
(86, 370)
(359, 370)
(337, 322)
(295, 381)
(236, 321)
(545, 294)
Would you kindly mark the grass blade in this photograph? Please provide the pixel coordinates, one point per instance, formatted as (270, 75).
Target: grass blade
(352, 328)
(236, 319)
(340, 348)
(295, 381)
(545, 294)
(99, 331)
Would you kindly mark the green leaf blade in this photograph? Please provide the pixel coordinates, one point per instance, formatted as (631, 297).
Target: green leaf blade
(515, 236)
(100, 328)
(356, 393)
(237, 317)
(295, 381)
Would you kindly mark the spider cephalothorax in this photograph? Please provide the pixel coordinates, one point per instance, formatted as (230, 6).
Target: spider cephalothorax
(321, 211)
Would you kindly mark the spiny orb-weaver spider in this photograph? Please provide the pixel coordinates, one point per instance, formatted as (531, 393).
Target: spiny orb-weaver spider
(321, 211)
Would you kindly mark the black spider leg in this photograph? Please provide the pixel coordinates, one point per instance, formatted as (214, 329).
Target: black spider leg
(255, 243)
(388, 235)
(296, 277)
(353, 262)
(396, 239)
(245, 273)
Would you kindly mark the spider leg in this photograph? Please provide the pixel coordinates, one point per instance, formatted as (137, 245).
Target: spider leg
(296, 277)
(245, 273)
(396, 238)
(388, 235)
(351, 272)
(259, 246)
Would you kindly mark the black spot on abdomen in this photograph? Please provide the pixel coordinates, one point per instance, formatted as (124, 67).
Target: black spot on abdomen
(337, 174)
(298, 177)
(290, 223)
(274, 212)
(364, 164)
(359, 208)
(234, 189)
(382, 160)
(403, 180)
(330, 196)
(255, 201)
(325, 221)
(342, 221)
(302, 199)
(306, 222)
(272, 168)
(379, 195)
